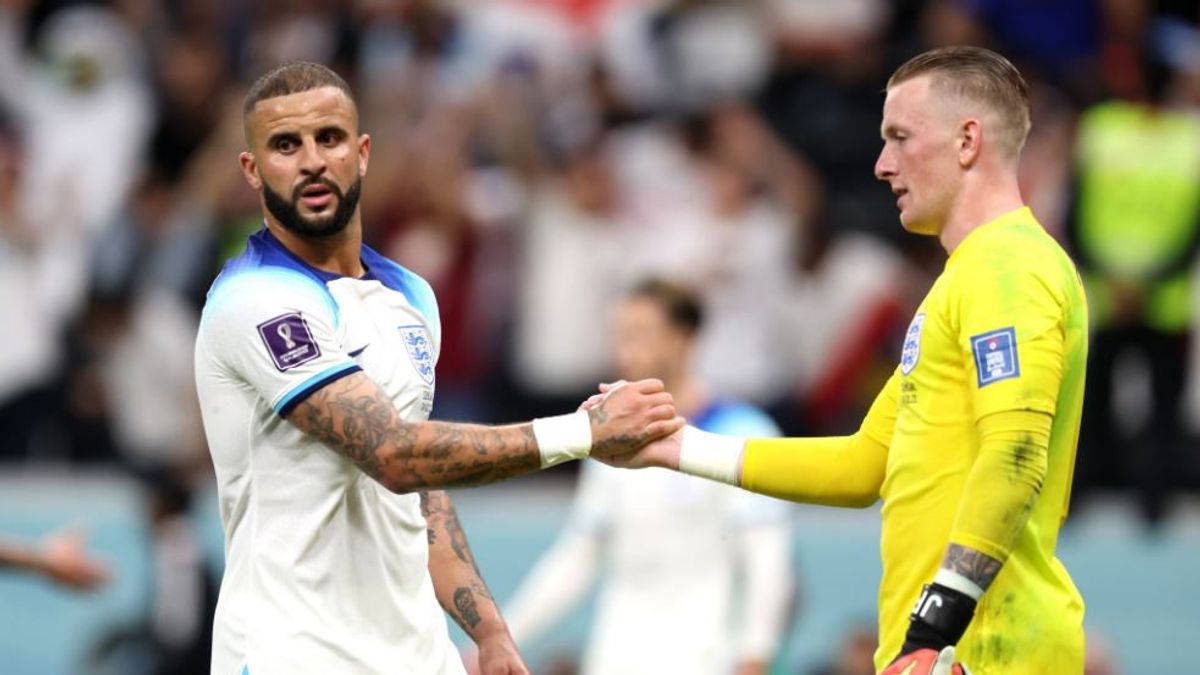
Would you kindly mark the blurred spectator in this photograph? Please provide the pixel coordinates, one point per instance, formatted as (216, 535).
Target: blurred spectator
(291, 30)
(86, 90)
(190, 77)
(841, 313)
(61, 557)
(1058, 41)
(1135, 226)
(682, 55)
(572, 261)
(670, 600)
(27, 277)
(744, 240)
(823, 98)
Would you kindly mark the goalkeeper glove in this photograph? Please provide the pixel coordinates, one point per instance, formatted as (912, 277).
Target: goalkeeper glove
(927, 662)
(938, 620)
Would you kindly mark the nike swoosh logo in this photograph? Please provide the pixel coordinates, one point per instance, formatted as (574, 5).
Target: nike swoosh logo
(358, 351)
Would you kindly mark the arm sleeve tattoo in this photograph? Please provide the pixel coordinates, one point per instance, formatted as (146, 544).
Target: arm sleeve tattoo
(974, 565)
(355, 418)
(457, 582)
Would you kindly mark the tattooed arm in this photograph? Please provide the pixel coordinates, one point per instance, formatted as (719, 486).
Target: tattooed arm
(977, 566)
(460, 588)
(355, 418)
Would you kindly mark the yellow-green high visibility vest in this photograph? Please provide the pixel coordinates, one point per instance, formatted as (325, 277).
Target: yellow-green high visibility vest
(1138, 206)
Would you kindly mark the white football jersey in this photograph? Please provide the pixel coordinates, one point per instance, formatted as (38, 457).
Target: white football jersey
(669, 548)
(326, 570)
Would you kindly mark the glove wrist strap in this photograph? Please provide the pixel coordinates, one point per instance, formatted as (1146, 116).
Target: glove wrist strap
(939, 619)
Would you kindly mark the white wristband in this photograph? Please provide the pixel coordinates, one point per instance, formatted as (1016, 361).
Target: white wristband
(958, 582)
(713, 456)
(563, 437)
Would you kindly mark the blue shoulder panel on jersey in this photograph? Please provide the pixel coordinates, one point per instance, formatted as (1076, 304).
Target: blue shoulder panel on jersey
(735, 418)
(398, 278)
(303, 390)
(264, 253)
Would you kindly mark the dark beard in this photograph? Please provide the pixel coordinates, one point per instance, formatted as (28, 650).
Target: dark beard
(288, 212)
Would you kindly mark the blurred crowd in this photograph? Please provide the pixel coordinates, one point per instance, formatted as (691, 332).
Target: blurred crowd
(534, 159)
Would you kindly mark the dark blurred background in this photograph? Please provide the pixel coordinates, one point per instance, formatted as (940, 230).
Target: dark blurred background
(533, 159)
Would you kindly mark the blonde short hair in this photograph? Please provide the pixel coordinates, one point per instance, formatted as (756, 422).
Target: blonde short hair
(981, 76)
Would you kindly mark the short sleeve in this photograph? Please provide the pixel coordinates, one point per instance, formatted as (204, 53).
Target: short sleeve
(275, 330)
(1010, 332)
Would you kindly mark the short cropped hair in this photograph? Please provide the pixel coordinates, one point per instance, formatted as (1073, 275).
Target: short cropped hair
(677, 301)
(293, 78)
(978, 75)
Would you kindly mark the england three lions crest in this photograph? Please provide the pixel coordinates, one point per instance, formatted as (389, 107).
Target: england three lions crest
(912, 344)
(420, 350)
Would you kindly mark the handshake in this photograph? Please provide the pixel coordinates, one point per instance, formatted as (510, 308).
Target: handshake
(629, 424)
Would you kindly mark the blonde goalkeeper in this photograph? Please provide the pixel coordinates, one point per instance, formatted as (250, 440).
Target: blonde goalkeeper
(971, 443)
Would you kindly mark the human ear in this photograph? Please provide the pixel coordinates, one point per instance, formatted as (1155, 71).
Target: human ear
(969, 142)
(249, 166)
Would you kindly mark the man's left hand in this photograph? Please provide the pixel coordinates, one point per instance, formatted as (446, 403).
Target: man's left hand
(926, 662)
(496, 656)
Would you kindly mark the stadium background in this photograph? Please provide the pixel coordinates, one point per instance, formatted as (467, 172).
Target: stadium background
(532, 159)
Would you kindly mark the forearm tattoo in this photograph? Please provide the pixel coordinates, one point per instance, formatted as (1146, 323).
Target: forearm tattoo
(356, 419)
(444, 527)
(974, 565)
(468, 615)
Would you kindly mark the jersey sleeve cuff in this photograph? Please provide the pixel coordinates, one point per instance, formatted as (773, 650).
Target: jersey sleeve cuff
(297, 395)
(984, 546)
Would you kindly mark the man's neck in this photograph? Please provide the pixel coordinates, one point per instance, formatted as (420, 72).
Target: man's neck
(978, 204)
(339, 254)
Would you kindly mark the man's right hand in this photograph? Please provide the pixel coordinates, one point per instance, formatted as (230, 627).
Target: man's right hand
(630, 416)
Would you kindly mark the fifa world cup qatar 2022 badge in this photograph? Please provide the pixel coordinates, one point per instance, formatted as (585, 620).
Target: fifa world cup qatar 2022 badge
(912, 344)
(288, 340)
(420, 350)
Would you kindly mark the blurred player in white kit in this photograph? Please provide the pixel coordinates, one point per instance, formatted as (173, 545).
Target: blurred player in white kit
(668, 549)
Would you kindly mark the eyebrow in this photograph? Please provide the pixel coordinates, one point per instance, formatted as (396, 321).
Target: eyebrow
(333, 128)
(890, 131)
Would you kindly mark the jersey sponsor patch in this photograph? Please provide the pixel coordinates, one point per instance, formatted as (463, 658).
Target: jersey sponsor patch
(420, 350)
(996, 355)
(912, 344)
(289, 341)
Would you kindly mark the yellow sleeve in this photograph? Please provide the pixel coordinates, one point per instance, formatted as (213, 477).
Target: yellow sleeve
(1010, 328)
(1004, 481)
(1011, 332)
(834, 470)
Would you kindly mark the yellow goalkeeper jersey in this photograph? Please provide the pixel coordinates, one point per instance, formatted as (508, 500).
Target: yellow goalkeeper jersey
(1004, 328)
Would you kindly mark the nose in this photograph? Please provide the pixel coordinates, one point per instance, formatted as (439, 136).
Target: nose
(885, 165)
(312, 161)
